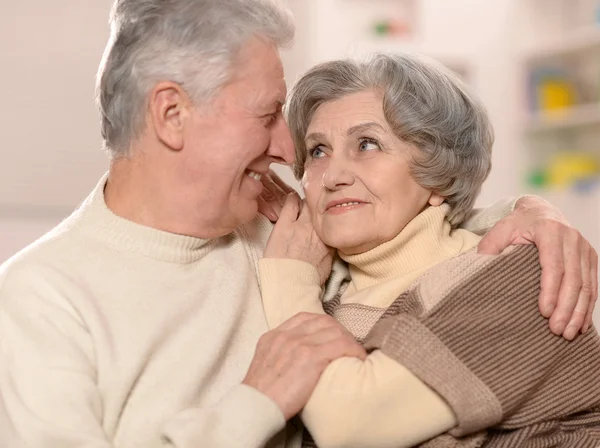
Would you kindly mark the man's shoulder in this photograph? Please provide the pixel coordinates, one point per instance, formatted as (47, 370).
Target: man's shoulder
(257, 232)
(47, 256)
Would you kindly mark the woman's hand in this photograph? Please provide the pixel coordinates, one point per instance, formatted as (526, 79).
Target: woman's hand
(569, 263)
(273, 196)
(294, 237)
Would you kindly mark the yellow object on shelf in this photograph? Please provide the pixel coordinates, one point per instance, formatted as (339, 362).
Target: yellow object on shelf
(556, 94)
(566, 168)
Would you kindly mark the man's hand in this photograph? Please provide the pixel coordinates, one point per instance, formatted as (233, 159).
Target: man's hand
(271, 201)
(569, 263)
(294, 237)
(289, 360)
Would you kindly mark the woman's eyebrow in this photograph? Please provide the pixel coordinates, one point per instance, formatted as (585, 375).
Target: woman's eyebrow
(364, 126)
(315, 136)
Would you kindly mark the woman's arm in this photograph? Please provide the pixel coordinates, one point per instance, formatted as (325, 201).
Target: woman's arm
(288, 287)
(473, 333)
(376, 402)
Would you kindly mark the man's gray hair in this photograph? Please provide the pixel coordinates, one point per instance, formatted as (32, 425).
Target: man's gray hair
(425, 104)
(191, 42)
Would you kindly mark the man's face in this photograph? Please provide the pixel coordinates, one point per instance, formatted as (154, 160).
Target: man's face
(237, 137)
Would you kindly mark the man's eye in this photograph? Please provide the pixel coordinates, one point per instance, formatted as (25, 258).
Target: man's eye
(270, 119)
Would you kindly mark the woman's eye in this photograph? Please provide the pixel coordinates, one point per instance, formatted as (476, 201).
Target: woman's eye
(368, 144)
(317, 152)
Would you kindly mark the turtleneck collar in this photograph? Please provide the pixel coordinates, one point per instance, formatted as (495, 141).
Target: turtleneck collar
(101, 223)
(424, 242)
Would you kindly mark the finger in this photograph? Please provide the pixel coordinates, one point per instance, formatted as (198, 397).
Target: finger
(594, 297)
(272, 191)
(571, 283)
(291, 208)
(266, 209)
(498, 238)
(297, 320)
(304, 216)
(553, 266)
(581, 307)
(340, 347)
(280, 183)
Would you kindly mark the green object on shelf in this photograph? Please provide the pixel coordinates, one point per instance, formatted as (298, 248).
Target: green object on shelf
(538, 179)
(382, 28)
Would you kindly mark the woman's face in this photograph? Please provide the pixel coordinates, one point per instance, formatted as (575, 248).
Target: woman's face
(357, 178)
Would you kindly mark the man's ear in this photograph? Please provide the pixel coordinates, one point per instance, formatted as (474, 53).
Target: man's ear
(169, 108)
(436, 200)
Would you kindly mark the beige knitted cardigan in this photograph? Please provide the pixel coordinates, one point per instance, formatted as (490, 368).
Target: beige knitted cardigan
(471, 330)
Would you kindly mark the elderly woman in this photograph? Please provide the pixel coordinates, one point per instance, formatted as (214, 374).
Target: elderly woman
(392, 154)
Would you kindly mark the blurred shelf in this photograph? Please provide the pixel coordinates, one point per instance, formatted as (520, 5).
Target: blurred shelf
(582, 210)
(574, 42)
(575, 117)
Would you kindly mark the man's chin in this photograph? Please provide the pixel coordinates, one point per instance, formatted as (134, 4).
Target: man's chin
(247, 212)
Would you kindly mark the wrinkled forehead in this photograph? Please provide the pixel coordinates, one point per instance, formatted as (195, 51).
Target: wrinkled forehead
(348, 112)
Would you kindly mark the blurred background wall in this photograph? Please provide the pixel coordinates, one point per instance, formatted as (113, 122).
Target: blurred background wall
(535, 64)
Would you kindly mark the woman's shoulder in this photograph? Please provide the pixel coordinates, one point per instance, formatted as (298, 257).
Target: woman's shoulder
(474, 273)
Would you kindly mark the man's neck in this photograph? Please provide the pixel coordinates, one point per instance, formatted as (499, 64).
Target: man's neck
(140, 192)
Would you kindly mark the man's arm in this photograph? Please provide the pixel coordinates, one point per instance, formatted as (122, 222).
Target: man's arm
(48, 378)
(481, 220)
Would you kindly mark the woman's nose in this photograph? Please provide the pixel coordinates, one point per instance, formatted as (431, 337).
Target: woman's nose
(338, 174)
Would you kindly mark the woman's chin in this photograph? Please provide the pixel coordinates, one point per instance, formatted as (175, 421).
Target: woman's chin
(349, 246)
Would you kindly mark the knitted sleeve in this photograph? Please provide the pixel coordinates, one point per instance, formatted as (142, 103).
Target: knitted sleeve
(376, 402)
(471, 331)
(481, 220)
(48, 382)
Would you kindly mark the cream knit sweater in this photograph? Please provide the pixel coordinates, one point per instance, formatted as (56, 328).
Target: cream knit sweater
(117, 335)
(378, 402)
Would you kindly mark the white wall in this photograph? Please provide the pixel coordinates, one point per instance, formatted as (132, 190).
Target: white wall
(49, 129)
(474, 33)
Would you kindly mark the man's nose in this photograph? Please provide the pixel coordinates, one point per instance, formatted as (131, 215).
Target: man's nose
(281, 149)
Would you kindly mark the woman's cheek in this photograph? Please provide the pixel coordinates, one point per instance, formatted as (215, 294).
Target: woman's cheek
(311, 185)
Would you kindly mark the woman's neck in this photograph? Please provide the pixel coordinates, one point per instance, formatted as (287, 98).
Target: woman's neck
(425, 241)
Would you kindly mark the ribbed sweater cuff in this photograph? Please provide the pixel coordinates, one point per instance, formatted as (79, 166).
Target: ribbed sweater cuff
(481, 221)
(288, 287)
(244, 418)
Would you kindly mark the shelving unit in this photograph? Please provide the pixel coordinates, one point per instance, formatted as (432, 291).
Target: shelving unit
(583, 115)
(565, 37)
(573, 42)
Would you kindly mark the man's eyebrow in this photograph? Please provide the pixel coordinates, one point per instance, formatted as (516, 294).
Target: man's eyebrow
(363, 127)
(276, 105)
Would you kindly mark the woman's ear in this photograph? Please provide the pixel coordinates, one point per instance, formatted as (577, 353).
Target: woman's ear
(436, 200)
(168, 107)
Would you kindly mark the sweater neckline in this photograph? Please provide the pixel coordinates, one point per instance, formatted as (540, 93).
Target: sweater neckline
(426, 240)
(101, 223)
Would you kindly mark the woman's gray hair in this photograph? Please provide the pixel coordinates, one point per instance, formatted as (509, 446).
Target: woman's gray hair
(191, 42)
(425, 104)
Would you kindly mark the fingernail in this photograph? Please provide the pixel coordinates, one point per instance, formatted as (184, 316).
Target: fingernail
(548, 310)
(585, 328)
(570, 332)
(559, 327)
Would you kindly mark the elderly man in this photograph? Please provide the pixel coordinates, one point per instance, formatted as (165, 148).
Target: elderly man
(137, 322)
